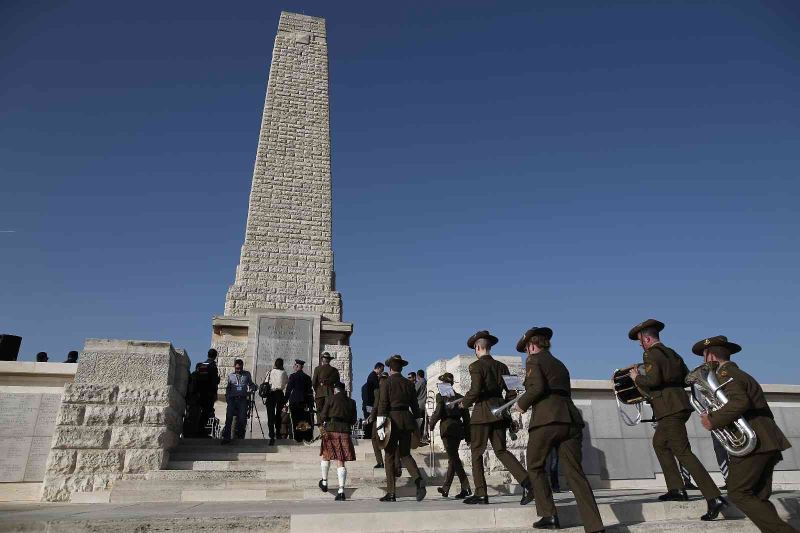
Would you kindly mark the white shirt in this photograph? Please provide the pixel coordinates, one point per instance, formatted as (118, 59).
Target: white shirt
(278, 379)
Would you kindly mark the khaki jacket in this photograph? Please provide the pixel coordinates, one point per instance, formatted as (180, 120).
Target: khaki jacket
(664, 381)
(339, 413)
(323, 380)
(454, 419)
(398, 401)
(746, 399)
(486, 390)
(548, 391)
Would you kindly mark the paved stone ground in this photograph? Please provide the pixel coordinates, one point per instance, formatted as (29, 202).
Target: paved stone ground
(277, 515)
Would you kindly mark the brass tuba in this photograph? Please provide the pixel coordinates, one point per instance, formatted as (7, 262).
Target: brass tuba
(738, 438)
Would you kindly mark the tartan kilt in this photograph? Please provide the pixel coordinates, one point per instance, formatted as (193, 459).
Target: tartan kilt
(337, 447)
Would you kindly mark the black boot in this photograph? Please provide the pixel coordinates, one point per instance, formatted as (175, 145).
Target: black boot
(527, 492)
(715, 505)
(476, 500)
(421, 490)
(379, 465)
(548, 522)
(674, 496)
(340, 497)
(463, 494)
(389, 497)
(323, 486)
(271, 442)
(443, 491)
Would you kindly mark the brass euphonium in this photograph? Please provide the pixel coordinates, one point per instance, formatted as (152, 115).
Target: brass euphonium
(738, 438)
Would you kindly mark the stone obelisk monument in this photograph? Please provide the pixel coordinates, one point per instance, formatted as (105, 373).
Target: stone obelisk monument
(283, 302)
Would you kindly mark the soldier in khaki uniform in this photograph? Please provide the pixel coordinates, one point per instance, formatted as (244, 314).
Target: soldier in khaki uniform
(664, 383)
(486, 392)
(749, 477)
(555, 422)
(398, 403)
(454, 428)
(323, 380)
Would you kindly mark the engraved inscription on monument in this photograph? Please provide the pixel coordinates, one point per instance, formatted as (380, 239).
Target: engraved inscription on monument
(289, 338)
(27, 423)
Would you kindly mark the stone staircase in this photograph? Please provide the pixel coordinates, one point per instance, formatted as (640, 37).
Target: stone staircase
(202, 470)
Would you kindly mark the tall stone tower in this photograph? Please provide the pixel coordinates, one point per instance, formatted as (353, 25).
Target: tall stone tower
(283, 302)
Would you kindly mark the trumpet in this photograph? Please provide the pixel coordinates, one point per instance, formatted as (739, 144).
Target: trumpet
(498, 411)
(453, 403)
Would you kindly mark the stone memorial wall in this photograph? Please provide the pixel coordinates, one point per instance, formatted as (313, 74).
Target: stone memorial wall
(27, 423)
(121, 416)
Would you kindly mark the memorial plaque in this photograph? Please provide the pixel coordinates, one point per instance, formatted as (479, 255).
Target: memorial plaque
(285, 337)
(48, 411)
(27, 424)
(37, 458)
(14, 458)
(18, 413)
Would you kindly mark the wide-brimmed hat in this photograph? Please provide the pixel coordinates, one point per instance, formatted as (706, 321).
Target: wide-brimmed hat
(633, 334)
(719, 340)
(483, 334)
(327, 355)
(299, 362)
(447, 377)
(539, 331)
(396, 360)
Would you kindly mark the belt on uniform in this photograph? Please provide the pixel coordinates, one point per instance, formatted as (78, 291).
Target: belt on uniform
(340, 419)
(563, 393)
(400, 408)
(673, 386)
(753, 413)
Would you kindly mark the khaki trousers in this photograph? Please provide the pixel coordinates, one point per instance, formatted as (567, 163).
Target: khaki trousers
(480, 436)
(454, 465)
(750, 486)
(671, 442)
(568, 438)
(399, 444)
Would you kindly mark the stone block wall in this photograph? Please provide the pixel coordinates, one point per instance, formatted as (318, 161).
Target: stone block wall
(121, 416)
(342, 363)
(287, 260)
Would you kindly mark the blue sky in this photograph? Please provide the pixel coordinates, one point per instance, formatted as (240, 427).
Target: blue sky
(495, 166)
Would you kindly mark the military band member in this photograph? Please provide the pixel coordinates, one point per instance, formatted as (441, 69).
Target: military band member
(324, 378)
(398, 403)
(664, 382)
(555, 422)
(454, 428)
(369, 394)
(485, 393)
(338, 416)
(749, 477)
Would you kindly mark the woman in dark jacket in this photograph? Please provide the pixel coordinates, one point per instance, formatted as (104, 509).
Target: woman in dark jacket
(338, 417)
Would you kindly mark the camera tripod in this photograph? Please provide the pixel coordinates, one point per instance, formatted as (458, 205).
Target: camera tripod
(251, 408)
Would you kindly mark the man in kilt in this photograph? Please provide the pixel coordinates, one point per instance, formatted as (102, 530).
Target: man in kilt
(338, 417)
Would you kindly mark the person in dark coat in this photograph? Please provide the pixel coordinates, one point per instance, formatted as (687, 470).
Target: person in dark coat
(749, 476)
(300, 396)
(454, 428)
(398, 403)
(555, 422)
(368, 405)
(338, 416)
(72, 357)
(664, 381)
(486, 393)
(324, 378)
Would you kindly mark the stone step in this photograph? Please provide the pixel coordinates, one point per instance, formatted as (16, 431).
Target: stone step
(645, 514)
(235, 455)
(278, 477)
(278, 468)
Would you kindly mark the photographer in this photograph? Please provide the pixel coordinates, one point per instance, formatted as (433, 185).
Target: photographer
(239, 385)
